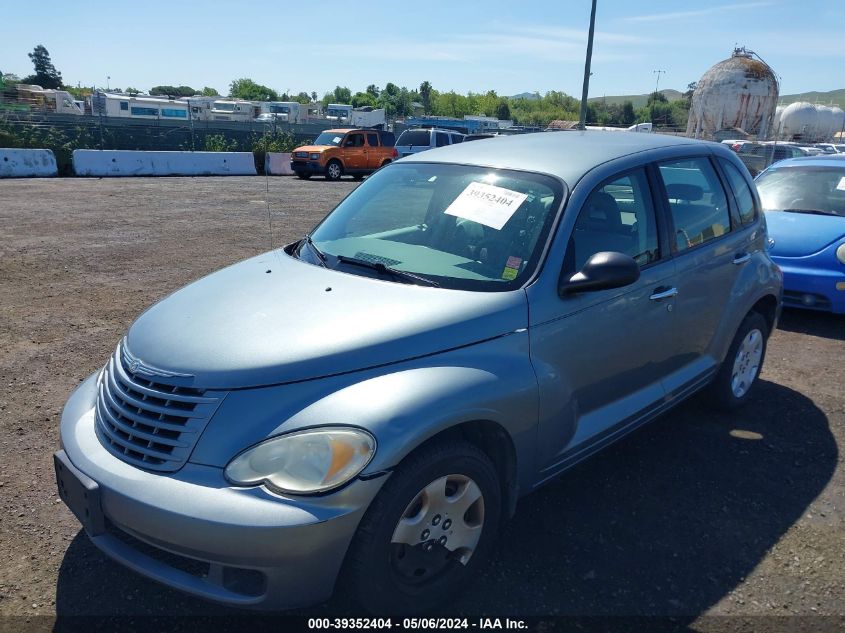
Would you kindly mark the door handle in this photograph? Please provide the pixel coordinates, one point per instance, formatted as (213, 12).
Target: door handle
(742, 258)
(664, 293)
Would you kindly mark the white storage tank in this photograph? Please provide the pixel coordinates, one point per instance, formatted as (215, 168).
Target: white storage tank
(799, 121)
(838, 121)
(739, 92)
(824, 130)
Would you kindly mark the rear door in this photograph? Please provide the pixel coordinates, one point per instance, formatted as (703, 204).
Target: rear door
(709, 249)
(374, 154)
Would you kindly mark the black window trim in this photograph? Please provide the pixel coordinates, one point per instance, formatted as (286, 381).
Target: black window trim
(663, 255)
(667, 209)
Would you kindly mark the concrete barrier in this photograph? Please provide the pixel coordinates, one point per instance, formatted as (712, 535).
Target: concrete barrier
(278, 164)
(94, 162)
(27, 163)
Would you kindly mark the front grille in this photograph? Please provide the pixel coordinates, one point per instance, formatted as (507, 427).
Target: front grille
(147, 422)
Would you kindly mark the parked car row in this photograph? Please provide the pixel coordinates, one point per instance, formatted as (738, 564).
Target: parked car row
(363, 408)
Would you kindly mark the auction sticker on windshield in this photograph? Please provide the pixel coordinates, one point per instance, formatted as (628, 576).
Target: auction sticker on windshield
(841, 185)
(486, 204)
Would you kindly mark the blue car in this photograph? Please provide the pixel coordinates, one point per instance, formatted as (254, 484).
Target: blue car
(804, 201)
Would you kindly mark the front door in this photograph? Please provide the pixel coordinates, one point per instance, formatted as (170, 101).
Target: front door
(600, 356)
(354, 152)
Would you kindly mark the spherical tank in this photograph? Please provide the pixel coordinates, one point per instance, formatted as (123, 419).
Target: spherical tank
(739, 92)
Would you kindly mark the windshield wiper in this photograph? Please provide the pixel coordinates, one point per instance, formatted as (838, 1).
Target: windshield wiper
(812, 211)
(320, 254)
(387, 270)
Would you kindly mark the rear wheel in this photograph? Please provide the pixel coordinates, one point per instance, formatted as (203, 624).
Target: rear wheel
(741, 367)
(428, 532)
(334, 170)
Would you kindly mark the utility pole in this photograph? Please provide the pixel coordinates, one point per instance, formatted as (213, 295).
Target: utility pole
(582, 123)
(657, 85)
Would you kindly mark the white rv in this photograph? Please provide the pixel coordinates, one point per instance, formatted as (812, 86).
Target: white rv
(200, 106)
(368, 117)
(47, 100)
(339, 112)
(283, 111)
(139, 107)
(234, 110)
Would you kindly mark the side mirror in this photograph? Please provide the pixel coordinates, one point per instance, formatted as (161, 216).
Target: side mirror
(602, 271)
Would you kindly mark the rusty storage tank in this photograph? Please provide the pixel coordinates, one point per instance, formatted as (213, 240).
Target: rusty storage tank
(739, 92)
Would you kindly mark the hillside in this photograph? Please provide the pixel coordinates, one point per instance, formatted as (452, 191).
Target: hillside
(638, 100)
(836, 97)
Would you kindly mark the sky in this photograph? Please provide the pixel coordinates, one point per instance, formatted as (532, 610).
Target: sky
(510, 47)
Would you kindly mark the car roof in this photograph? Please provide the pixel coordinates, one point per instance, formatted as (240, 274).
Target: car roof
(823, 160)
(341, 130)
(568, 155)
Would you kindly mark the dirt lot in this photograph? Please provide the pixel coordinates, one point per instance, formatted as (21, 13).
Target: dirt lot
(696, 515)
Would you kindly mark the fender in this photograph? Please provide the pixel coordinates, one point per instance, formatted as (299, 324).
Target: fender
(402, 405)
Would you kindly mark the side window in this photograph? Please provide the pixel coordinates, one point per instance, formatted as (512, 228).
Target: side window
(457, 138)
(124, 105)
(697, 201)
(354, 140)
(618, 216)
(372, 140)
(441, 139)
(742, 193)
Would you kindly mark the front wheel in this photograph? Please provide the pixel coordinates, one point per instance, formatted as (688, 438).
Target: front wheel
(334, 170)
(428, 532)
(739, 371)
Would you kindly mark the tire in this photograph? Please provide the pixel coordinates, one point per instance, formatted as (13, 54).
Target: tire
(739, 371)
(303, 175)
(388, 576)
(387, 162)
(334, 170)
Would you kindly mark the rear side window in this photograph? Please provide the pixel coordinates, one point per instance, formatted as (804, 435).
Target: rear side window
(618, 216)
(442, 139)
(414, 137)
(742, 193)
(457, 138)
(372, 140)
(697, 201)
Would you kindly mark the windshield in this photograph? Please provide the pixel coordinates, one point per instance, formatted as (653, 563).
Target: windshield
(226, 107)
(463, 227)
(329, 138)
(803, 188)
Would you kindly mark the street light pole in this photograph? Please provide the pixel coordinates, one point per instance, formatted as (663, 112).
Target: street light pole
(657, 85)
(582, 123)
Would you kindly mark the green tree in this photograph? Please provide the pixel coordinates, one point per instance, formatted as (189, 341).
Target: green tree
(342, 94)
(173, 91)
(46, 74)
(131, 90)
(361, 99)
(373, 90)
(314, 97)
(209, 92)
(425, 96)
(503, 111)
(303, 98)
(628, 116)
(251, 91)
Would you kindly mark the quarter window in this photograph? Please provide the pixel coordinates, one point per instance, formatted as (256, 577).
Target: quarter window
(442, 139)
(742, 193)
(697, 201)
(618, 216)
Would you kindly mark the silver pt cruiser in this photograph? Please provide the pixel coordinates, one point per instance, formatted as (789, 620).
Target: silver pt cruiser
(363, 408)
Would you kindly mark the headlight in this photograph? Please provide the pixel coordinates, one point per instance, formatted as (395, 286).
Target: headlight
(304, 462)
(840, 253)
(315, 157)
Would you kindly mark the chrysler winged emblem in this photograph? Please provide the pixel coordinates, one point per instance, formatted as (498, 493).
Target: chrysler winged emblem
(137, 366)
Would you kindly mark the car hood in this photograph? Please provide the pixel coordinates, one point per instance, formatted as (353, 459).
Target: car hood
(802, 234)
(314, 148)
(274, 319)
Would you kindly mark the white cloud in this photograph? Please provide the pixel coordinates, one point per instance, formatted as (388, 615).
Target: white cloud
(697, 13)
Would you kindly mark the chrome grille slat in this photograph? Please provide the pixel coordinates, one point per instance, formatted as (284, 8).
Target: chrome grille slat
(131, 430)
(148, 406)
(141, 419)
(152, 422)
(121, 375)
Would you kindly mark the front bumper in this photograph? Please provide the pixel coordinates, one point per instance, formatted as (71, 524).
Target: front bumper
(811, 287)
(307, 167)
(193, 531)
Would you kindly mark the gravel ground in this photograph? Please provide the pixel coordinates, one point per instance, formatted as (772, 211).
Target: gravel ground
(696, 516)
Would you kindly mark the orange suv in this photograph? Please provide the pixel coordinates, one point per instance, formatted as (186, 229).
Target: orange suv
(354, 152)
